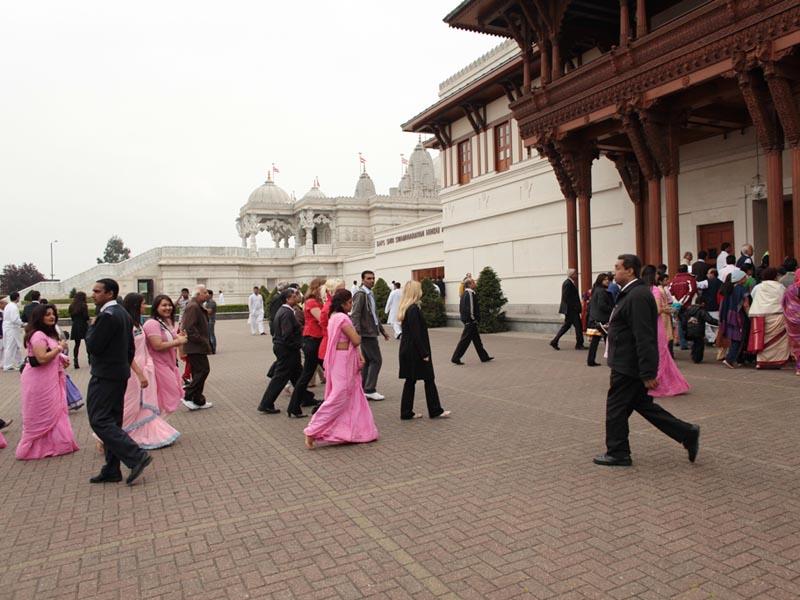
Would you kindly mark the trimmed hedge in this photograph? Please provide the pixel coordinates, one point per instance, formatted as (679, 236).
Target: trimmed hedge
(63, 313)
(231, 308)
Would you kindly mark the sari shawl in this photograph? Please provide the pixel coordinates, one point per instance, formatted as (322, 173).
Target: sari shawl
(791, 312)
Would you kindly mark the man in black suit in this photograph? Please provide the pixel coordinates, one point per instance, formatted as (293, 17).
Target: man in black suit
(470, 310)
(633, 358)
(109, 343)
(701, 267)
(571, 309)
(27, 311)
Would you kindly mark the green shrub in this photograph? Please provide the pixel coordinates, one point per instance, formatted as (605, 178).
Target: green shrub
(232, 308)
(27, 297)
(304, 289)
(492, 301)
(381, 291)
(72, 292)
(63, 313)
(432, 305)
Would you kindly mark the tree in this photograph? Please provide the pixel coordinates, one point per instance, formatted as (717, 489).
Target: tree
(432, 305)
(18, 277)
(115, 251)
(492, 301)
(73, 292)
(381, 292)
(268, 296)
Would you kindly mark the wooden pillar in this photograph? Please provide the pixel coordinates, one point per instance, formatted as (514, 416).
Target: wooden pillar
(544, 58)
(654, 251)
(640, 222)
(641, 18)
(796, 201)
(572, 233)
(558, 68)
(584, 217)
(624, 23)
(673, 222)
(526, 71)
(775, 223)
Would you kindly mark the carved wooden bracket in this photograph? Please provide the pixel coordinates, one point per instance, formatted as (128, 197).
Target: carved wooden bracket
(630, 174)
(757, 99)
(476, 116)
(633, 129)
(661, 135)
(577, 157)
(780, 89)
(547, 149)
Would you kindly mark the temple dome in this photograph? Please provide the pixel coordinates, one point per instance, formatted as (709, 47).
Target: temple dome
(314, 193)
(365, 188)
(421, 171)
(269, 194)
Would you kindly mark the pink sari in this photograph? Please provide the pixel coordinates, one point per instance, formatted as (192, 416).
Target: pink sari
(3, 442)
(140, 416)
(46, 430)
(167, 376)
(791, 314)
(670, 380)
(345, 415)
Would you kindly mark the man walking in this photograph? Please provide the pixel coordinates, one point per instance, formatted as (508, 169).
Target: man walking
(392, 304)
(571, 309)
(633, 358)
(197, 347)
(109, 343)
(365, 320)
(183, 300)
(12, 334)
(470, 310)
(27, 311)
(255, 305)
(211, 311)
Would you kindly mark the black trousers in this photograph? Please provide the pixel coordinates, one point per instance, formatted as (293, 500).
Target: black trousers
(469, 335)
(200, 371)
(628, 394)
(75, 353)
(431, 397)
(592, 357)
(287, 368)
(698, 348)
(571, 320)
(104, 402)
(212, 336)
(301, 396)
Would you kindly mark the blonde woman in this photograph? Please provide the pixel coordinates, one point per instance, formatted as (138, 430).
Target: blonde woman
(415, 356)
(331, 287)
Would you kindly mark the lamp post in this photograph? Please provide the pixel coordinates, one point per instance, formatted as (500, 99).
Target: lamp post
(52, 276)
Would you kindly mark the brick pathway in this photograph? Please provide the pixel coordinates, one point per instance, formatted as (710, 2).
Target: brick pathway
(501, 501)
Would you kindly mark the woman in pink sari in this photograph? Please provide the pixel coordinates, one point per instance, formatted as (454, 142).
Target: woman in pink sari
(162, 340)
(345, 416)
(791, 312)
(4, 425)
(140, 416)
(46, 430)
(670, 380)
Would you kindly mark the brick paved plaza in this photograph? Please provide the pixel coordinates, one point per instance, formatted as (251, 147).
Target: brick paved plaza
(501, 501)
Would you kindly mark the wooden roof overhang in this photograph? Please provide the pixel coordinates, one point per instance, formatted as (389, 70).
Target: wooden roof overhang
(470, 101)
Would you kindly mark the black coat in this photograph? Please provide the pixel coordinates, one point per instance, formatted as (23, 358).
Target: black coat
(414, 346)
(286, 330)
(633, 333)
(600, 305)
(700, 270)
(570, 298)
(80, 323)
(109, 343)
(710, 294)
(27, 311)
(469, 307)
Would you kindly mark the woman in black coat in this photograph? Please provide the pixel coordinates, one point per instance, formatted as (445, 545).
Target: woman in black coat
(415, 356)
(600, 306)
(79, 313)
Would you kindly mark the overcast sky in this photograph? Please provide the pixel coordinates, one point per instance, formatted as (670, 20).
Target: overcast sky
(155, 120)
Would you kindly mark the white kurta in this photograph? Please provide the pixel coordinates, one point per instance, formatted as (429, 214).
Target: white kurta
(12, 337)
(255, 305)
(392, 306)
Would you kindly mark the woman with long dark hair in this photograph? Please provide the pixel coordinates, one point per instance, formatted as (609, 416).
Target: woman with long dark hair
(162, 340)
(140, 417)
(733, 316)
(79, 313)
(345, 416)
(600, 306)
(670, 380)
(46, 430)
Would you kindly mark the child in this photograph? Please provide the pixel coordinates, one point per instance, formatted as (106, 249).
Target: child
(693, 320)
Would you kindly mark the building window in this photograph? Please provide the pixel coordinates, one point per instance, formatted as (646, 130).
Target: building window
(502, 147)
(465, 162)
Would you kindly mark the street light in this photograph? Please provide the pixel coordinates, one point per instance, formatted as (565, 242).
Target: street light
(52, 277)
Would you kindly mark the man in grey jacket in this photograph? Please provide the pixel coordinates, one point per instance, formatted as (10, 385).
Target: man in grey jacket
(366, 323)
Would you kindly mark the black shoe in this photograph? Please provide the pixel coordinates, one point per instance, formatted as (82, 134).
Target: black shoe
(487, 359)
(310, 403)
(264, 333)
(4, 424)
(316, 408)
(593, 364)
(692, 445)
(105, 478)
(580, 347)
(137, 470)
(269, 411)
(296, 415)
(554, 345)
(457, 362)
(607, 460)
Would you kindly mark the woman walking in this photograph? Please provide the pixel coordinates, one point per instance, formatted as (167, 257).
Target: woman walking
(416, 362)
(162, 340)
(733, 315)
(768, 337)
(600, 306)
(791, 312)
(345, 416)
(670, 380)
(140, 417)
(46, 430)
(79, 313)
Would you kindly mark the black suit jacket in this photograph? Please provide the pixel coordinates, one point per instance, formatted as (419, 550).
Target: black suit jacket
(109, 343)
(414, 346)
(27, 311)
(570, 298)
(632, 333)
(469, 307)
